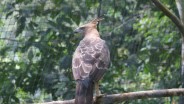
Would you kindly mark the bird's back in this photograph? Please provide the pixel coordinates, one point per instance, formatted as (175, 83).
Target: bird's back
(91, 59)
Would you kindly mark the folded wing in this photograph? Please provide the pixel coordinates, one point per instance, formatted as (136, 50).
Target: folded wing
(91, 59)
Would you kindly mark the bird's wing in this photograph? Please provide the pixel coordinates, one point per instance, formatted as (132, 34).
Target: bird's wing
(90, 59)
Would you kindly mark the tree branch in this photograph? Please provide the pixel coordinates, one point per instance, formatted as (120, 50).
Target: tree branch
(111, 99)
(169, 14)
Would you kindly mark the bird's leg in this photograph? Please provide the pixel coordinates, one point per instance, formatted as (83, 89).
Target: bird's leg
(97, 91)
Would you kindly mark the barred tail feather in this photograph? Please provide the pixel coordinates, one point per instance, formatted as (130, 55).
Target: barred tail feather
(84, 94)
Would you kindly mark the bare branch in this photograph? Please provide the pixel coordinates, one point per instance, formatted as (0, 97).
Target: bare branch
(111, 99)
(169, 14)
(180, 4)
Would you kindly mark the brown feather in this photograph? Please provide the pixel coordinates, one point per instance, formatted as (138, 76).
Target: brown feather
(84, 95)
(96, 20)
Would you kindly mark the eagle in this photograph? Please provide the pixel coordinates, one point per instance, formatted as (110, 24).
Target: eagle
(90, 61)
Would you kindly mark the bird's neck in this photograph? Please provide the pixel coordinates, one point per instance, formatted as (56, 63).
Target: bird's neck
(91, 33)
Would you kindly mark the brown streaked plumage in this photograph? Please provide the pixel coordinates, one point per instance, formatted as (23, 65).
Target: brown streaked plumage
(90, 61)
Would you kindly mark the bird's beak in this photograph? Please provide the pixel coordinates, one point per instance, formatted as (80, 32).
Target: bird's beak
(77, 30)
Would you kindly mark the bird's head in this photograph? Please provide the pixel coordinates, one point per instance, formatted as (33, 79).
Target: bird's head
(89, 26)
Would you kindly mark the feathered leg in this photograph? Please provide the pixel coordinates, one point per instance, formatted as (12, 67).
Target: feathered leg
(97, 91)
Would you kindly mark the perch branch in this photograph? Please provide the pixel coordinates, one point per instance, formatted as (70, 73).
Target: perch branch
(111, 99)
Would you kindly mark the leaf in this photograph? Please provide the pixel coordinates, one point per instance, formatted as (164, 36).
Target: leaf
(30, 54)
(51, 23)
(32, 25)
(65, 62)
(20, 25)
(9, 13)
(20, 1)
(76, 17)
(4, 50)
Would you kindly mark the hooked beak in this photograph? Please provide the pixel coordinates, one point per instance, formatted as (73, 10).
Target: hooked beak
(77, 30)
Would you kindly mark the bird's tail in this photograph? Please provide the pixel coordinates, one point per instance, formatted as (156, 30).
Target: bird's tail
(84, 92)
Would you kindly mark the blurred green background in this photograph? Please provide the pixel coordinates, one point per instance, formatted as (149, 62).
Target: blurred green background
(37, 43)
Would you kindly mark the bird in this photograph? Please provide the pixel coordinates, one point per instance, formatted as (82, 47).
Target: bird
(90, 61)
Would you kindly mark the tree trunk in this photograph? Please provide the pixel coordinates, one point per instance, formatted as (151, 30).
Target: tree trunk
(181, 100)
(180, 7)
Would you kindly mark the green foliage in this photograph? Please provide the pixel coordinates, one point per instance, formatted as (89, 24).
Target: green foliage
(37, 43)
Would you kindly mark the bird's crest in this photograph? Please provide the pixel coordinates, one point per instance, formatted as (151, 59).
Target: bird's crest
(96, 20)
(84, 28)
